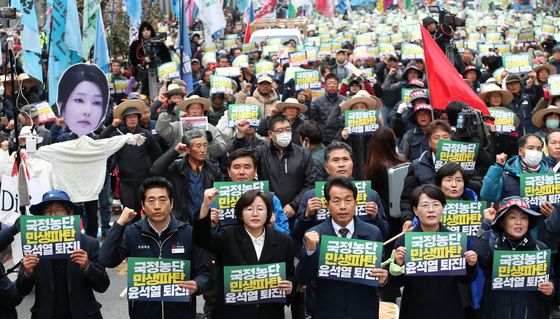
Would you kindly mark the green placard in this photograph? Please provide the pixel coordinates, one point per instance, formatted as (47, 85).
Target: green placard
(229, 193)
(411, 51)
(463, 153)
(297, 58)
(520, 270)
(254, 284)
(50, 236)
(462, 216)
(504, 119)
(248, 112)
(308, 79)
(220, 84)
(517, 63)
(249, 47)
(435, 254)
(554, 84)
(349, 259)
(361, 122)
(363, 188)
(264, 67)
(168, 71)
(540, 187)
(157, 279)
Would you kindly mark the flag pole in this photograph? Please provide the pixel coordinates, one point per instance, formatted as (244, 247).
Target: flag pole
(111, 28)
(182, 24)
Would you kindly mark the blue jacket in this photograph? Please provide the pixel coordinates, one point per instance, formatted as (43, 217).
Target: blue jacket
(334, 299)
(141, 240)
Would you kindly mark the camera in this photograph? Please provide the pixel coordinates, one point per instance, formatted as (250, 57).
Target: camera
(470, 124)
(151, 46)
(9, 13)
(448, 21)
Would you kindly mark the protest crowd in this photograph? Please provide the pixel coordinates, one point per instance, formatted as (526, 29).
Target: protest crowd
(389, 160)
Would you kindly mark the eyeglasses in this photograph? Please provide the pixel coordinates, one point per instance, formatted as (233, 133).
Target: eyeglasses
(434, 206)
(451, 180)
(251, 209)
(284, 130)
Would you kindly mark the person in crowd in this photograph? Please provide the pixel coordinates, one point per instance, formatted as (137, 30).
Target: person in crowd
(193, 106)
(359, 143)
(471, 74)
(547, 119)
(294, 111)
(509, 229)
(360, 301)
(416, 140)
(428, 202)
(553, 146)
(116, 75)
(311, 138)
(134, 161)
(189, 175)
(63, 287)
(249, 242)
(287, 166)
(452, 180)
(29, 116)
(264, 96)
(203, 87)
(494, 96)
(322, 106)
(10, 297)
(158, 235)
(522, 104)
(167, 100)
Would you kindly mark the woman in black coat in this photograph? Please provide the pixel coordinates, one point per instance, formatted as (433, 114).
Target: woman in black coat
(511, 226)
(242, 244)
(420, 292)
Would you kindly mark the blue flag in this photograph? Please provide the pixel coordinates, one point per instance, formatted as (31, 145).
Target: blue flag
(134, 10)
(30, 40)
(186, 73)
(73, 34)
(100, 51)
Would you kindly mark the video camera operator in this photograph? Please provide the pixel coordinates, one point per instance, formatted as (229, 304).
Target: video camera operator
(468, 125)
(147, 52)
(442, 32)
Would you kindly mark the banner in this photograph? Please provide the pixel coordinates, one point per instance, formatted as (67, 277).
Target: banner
(264, 67)
(119, 86)
(536, 188)
(250, 284)
(89, 25)
(157, 279)
(232, 71)
(212, 16)
(435, 254)
(517, 63)
(361, 122)
(50, 236)
(520, 270)
(307, 80)
(504, 119)
(463, 153)
(248, 112)
(10, 198)
(349, 259)
(189, 123)
(220, 84)
(462, 216)
(167, 71)
(229, 194)
(554, 84)
(363, 188)
(411, 51)
(297, 58)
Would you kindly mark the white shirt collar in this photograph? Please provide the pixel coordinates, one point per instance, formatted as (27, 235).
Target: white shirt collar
(350, 228)
(258, 242)
(159, 232)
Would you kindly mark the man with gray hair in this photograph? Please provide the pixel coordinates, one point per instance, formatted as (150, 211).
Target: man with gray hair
(190, 175)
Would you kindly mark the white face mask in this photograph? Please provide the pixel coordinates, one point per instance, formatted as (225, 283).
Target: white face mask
(532, 157)
(284, 139)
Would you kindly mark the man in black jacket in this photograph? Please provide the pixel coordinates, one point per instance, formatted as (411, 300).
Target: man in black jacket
(322, 106)
(190, 175)
(287, 166)
(134, 162)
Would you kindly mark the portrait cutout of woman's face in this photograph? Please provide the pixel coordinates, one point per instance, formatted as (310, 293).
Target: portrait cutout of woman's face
(84, 109)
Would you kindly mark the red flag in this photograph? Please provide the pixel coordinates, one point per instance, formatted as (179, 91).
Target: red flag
(444, 82)
(267, 8)
(248, 17)
(325, 7)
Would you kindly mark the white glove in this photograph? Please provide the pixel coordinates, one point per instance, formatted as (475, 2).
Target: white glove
(135, 139)
(401, 108)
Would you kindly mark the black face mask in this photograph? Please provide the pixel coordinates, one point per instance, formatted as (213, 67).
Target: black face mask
(332, 96)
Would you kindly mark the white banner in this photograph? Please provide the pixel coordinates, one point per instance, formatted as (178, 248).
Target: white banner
(212, 17)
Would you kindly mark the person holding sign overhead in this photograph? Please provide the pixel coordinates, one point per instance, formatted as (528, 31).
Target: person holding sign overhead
(428, 203)
(158, 235)
(334, 298)
(250, 242)
(512, 225)
(64, 286)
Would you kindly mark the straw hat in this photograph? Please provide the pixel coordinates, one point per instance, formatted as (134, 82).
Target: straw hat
(174, 89)
(134, 106)
(195, 99)
(372, 102)
(291, 102)
(539, 116)
(491, 88)
(27, 79)
(551, 69)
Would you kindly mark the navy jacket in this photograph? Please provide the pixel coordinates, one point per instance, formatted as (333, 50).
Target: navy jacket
(9, 296)
(141, 240)
(81, 285)
(334, 299)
